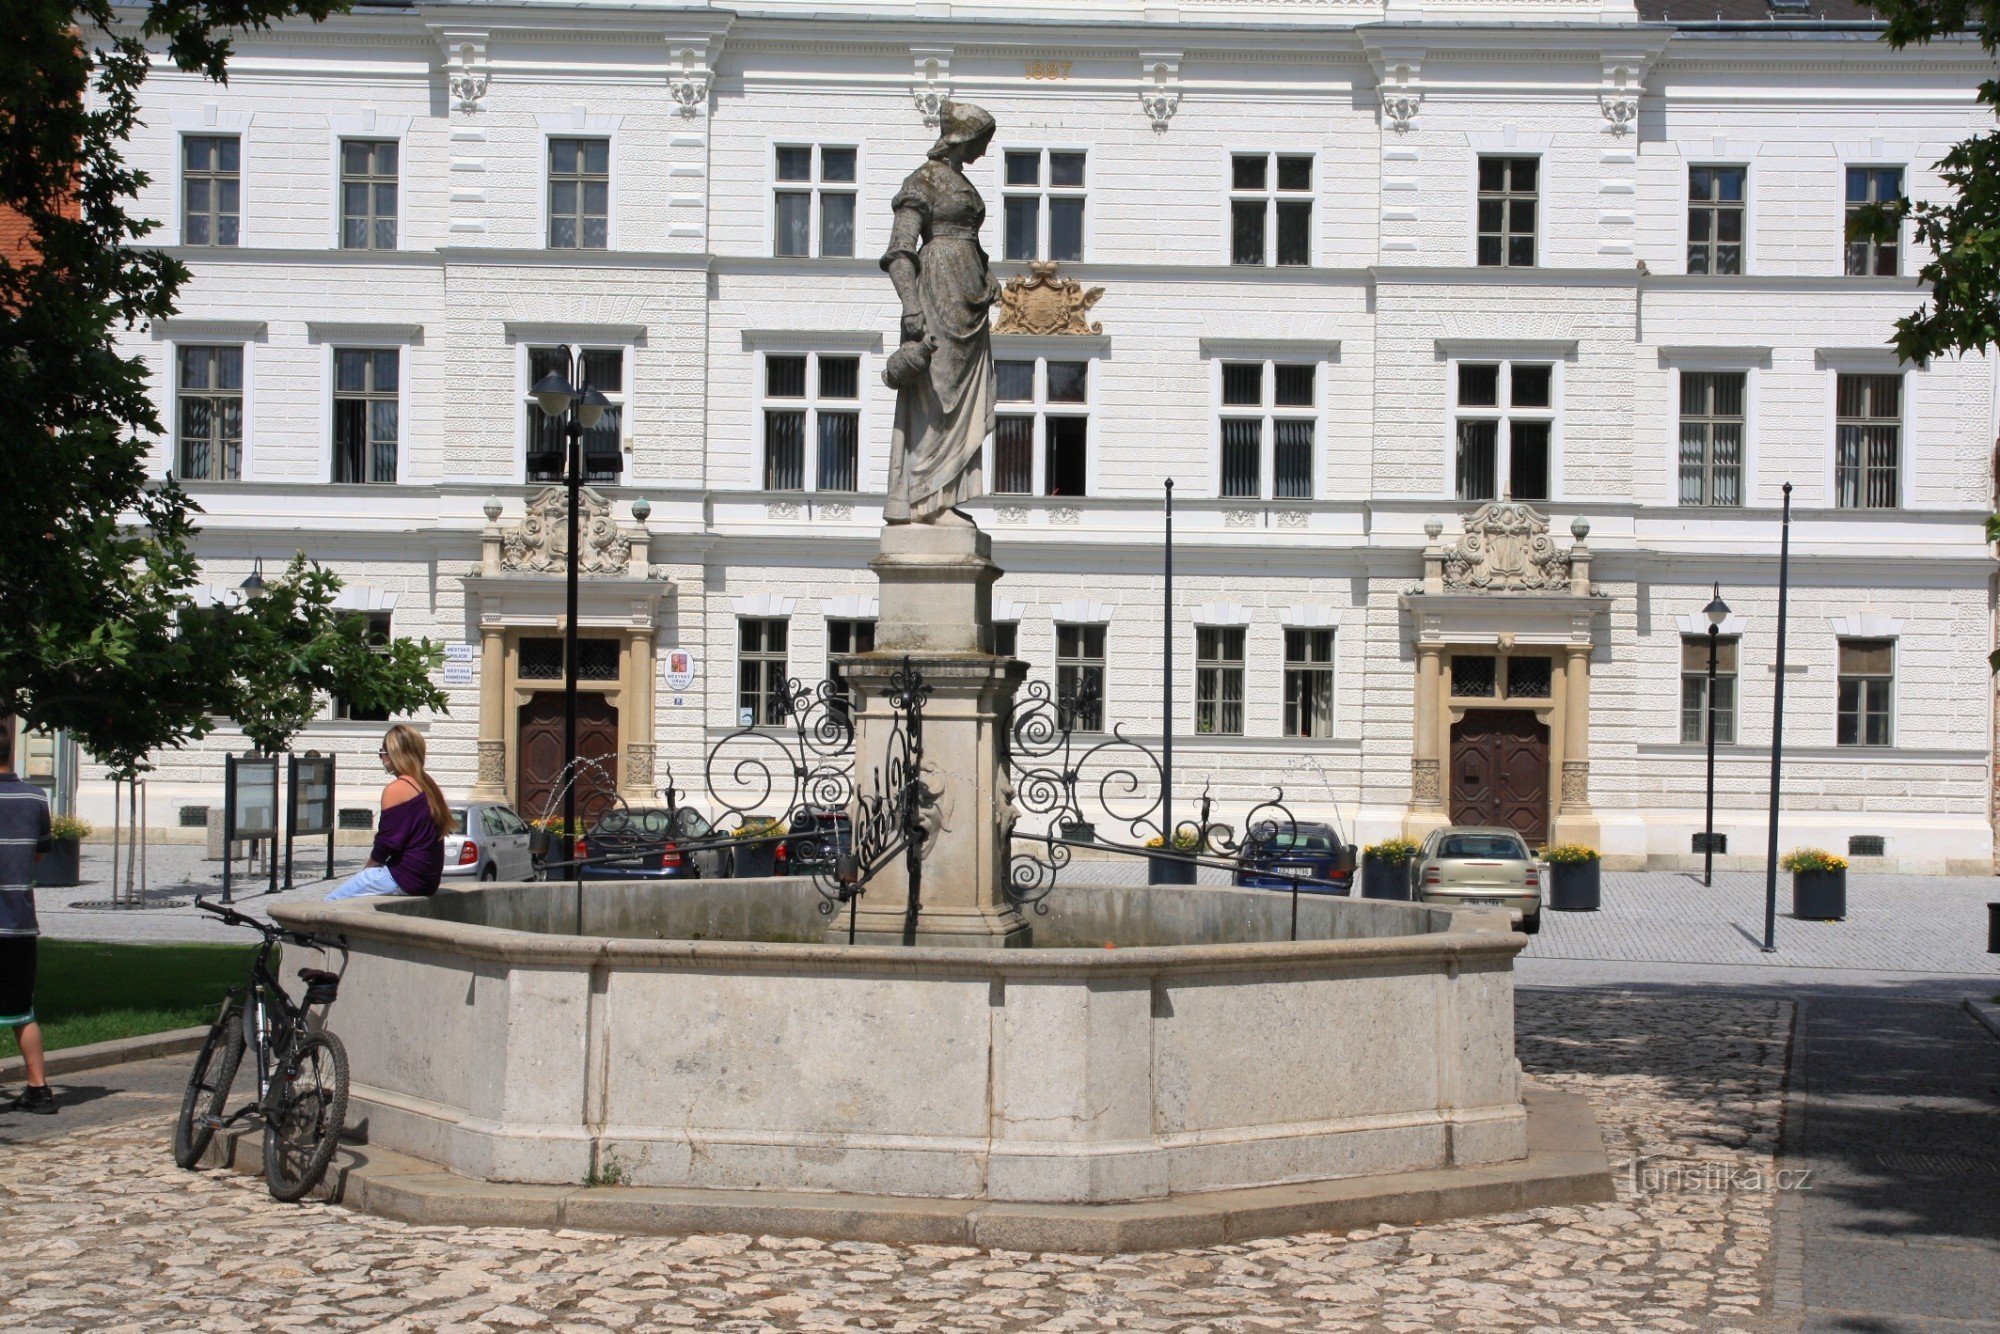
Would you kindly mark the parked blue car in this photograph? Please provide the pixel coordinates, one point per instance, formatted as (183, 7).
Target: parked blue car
(1280, 856)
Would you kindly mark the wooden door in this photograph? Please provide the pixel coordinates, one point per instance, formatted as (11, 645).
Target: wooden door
(1500, 772)
(539, 789)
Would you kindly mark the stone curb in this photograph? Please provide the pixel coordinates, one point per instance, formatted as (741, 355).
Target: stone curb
(1566, 1164)
(1986, 1012)
(97, 1055)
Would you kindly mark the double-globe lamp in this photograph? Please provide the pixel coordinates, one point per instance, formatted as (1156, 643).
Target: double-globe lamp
(1717, 612)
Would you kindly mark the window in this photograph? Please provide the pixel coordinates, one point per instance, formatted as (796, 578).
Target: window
(1865, 186)
(1715, 219)
(1218, 680)
(1868, 440)
(374, 627)
(541, 659)
(1309, 683)
(1867, 681)
(1507, 195)
(209, 417)
(1270, 208)
(1505, 416)
(814, 397)
(1006, 639)
(367, 195)
(1280, 422)
(1474, 675)
(602, 369)
(1042, 204)
(365, 406)
(814, 181)
(761, 696)
(579, 194)
(1694, 689)
(1080, 668)
(211, 189)
(1041, 435)
(1712, 437)
(843, 637)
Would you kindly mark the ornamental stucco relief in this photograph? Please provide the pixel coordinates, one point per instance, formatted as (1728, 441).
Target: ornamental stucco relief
(1506, 549)
(539, 544)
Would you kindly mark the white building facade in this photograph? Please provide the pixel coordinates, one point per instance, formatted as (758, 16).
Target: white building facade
(1364, 270)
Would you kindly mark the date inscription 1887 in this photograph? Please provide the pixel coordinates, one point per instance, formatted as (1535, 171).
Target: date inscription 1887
(1048, 69)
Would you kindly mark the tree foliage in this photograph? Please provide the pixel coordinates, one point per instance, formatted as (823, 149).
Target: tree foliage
(1963, 233)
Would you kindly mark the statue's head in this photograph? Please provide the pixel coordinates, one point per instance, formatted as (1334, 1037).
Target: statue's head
(964, 132)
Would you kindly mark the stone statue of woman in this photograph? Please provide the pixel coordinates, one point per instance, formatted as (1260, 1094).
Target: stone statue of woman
(943, 370)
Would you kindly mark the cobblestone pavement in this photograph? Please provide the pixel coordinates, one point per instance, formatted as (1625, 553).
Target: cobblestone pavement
(99, 1231)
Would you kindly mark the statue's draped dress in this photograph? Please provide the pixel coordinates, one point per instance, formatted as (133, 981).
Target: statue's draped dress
(944, 419)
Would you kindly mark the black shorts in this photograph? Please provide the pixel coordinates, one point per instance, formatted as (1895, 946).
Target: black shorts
(17, 979)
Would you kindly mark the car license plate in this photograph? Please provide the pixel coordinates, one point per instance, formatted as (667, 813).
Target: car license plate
(1295, 872)
(1481, 903)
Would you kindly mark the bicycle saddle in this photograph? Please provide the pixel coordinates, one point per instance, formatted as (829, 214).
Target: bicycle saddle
(321, 986)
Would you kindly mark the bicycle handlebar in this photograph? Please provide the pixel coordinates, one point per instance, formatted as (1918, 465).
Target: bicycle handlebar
(231, 917)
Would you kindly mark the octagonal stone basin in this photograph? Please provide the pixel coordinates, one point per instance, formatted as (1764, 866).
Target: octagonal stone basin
(1157, 1041)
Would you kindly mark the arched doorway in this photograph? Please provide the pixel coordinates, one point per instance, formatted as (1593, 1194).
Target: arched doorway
(1500, 772)
(541, 751)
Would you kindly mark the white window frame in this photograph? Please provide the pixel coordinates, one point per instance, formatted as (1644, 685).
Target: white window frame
(1268, 413)
(242, 138)
(1102, 662)
(1286, 665)
(341, 138)
(1728, 162)
(1540, 152)
(1504, 413)
(1903, 266)
(1744, 486)
(738, 659)
(811, 404)
(401, 348)
(816, 188)
(1724, 639)
(1222, 667)
(524, 382)
(578, 125)
(1042, 193)
(1270, 195)
(1883, 365)
(173, 403)
(1895, 642)
(1041, 409)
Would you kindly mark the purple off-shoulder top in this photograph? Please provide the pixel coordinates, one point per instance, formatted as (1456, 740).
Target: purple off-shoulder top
(409, 844)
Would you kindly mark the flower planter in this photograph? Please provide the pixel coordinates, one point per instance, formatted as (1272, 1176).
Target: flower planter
(1575, 886)
(756, 859)
(1819, 895)
(1168, 870)
(63, 865)
(1384, 879)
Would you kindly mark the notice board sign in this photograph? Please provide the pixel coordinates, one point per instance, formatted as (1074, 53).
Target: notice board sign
(253, 797)
(312, 794)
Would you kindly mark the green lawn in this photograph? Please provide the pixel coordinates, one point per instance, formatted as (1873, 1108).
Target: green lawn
(88, 992)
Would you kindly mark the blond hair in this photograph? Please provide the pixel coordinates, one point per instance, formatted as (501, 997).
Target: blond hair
(405, 745)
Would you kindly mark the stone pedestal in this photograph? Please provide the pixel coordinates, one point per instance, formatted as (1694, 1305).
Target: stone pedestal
(936, 615)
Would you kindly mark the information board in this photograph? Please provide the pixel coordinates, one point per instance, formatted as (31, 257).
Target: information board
(255, 798)
(312, 794)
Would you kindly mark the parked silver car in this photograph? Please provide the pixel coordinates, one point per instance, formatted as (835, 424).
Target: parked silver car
(1468, 866)
(488, 842)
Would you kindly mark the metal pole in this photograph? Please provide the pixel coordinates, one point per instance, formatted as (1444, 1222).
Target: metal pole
(228, 819)
(575, 478)
(1708, 825)
(277, 792)
(1167, 687)
(1777, 729)
(332, 810)
(291, 814)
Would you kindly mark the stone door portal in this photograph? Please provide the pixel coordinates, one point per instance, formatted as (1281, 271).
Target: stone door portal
(538, 791)
(1500, 772)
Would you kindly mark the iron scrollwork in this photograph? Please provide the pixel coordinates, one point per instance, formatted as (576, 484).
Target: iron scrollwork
(897, 815)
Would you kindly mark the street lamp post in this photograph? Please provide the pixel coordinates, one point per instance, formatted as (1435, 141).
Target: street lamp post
(575, 409)
(1717, 611)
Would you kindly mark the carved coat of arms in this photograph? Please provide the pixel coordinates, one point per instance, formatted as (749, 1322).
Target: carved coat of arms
(1506, 549)
(539, 544)
(1045, 303)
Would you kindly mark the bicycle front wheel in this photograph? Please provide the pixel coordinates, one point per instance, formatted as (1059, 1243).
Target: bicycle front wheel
(303, 1115)
(208, 1086)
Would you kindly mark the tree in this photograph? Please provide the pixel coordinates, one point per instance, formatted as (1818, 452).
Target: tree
(97, 555)
(1963, 234)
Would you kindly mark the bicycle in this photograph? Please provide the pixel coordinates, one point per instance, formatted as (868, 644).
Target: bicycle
(301, 1068)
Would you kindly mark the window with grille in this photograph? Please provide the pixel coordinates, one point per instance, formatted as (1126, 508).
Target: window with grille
(1868, 441)
(1694, 689)
(813, 200)
(579, 194)
(597, 659)
(211, 189)
(368, 201)
(209, 414)
(1867, 691)
(1712, 437)
(1865, 186)
(1475, 675)
(599, 368)
(374, 627)
(541, 659)
(1270, 208)
(1269, 423)
(1508, 197)
(366, 407)
(1042, 195)
(1505, 418)
(816, 398)
(1006, 639)
(1218, 680)
(1529, 676)
(1080, 663)
(761, 697)
(1041, 434)
(1715, 219)
(1309, 683)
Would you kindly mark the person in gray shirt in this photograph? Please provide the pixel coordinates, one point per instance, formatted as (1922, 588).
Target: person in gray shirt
(24, 840)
